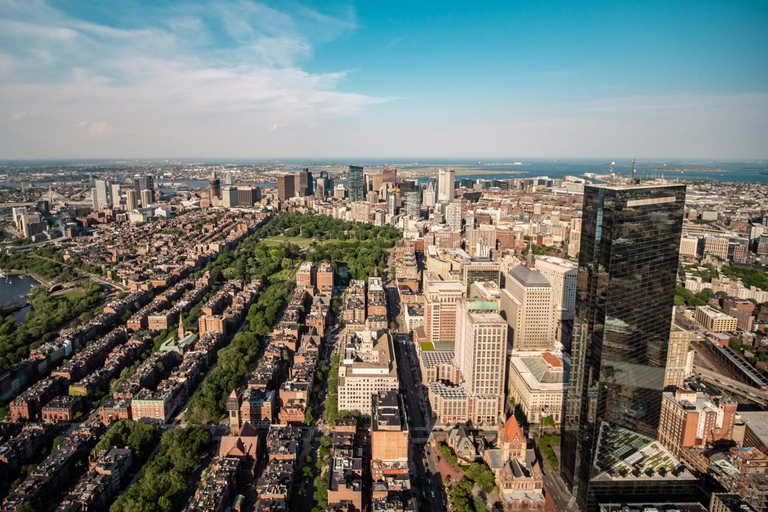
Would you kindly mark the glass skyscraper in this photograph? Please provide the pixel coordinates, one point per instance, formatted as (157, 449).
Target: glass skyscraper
(356, 183)
(628, 262)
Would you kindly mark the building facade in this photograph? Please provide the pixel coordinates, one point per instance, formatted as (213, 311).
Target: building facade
(630, 240)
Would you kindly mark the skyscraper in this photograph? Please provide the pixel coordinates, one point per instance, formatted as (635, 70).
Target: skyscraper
(131, 200)
(103, 194)
(481, 346)
(356, 183)
(445, 183)
(389, 175)
(146, 197)
(430, 193)
(625, 294)
(529, 309)
(305, 183)
(391, 202)
(145, 182)
(413, 204)
(215, 188)
(116, 195)
(285, 188)
(453, 216)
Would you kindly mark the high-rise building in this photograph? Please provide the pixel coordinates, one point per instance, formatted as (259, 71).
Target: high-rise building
(440, 298)
(321, 188)
(215, 188)
(679, 358)
(356, 183)
(453, 216)
(430, 193)
(247, 196)
(131, 199)
(413, 204)
(146, 197)
(527, 304)
(562, 275)
(628, 262)
(103, 194)
(145, 182)
(305, 183)
(368, 366)
(446, 180)
(481, 347)
(389, 175)
(389, 440)
(285, 188)
(230, 197)
(116, 192)
(391, 202)
(694, 418)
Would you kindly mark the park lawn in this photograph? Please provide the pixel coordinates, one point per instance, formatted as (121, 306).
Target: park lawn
(73, 295)
(427, 346)
(280, 239)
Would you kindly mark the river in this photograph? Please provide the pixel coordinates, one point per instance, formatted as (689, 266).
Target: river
(12, 288)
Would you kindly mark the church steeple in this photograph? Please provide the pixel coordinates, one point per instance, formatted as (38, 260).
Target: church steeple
(181, 328)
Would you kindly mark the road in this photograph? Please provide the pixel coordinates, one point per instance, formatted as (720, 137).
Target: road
(732, 385)
(418, 412)
(555, 488)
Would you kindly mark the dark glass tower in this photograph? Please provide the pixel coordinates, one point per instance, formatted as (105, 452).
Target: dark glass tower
(356, 183)
(628, 261)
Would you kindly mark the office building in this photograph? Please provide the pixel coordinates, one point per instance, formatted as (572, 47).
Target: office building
(562, 275)
(367, 367)
(445, 184)
(145, 182)
(716, 246)
(413, 204)
(285, 188)
(479, 269)
(131, 199)
(689, 247)
(229, 197)
(480, 353)
(440, 301)
(526, 302)
(453, 216)
(538, 381)
(321, 188)
(356, 183)
(392, 202)
(430, 194)
(116, 194)
(694, 418)
(214, 188)
(679, 358)
(146, 197)
(248, 196)
(630, 239)
(306, 187)
(714, 320)
(389, 175)
(103, 194)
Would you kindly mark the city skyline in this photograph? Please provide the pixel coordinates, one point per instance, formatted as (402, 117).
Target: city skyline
(252, 80)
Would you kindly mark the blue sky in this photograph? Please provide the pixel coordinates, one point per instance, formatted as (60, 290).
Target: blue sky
(243, 79)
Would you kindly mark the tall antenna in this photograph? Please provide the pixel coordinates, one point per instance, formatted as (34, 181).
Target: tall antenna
(634, 165)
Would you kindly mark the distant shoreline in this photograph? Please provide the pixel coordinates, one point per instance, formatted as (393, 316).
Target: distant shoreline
(460, 172)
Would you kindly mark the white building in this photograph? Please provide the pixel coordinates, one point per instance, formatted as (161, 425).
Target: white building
(367, 367)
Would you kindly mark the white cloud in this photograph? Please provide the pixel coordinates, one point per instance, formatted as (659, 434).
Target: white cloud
(165, 82)
(100, 129)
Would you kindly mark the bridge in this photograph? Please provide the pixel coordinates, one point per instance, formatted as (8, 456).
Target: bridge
(733, 386)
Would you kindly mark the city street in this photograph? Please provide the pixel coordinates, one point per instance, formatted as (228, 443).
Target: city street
(417, 408)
